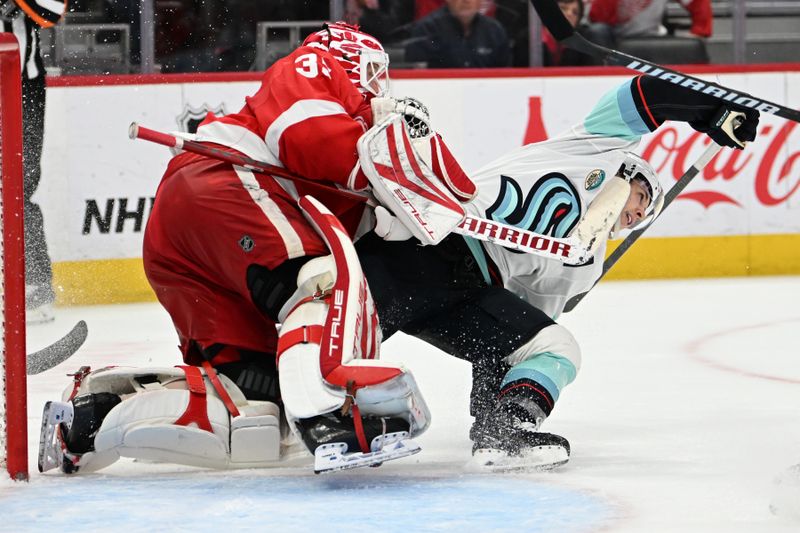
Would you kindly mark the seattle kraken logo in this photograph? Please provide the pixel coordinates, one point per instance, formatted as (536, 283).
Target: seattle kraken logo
(552, 207)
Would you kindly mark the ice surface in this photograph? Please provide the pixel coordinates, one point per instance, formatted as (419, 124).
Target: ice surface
(685, 412)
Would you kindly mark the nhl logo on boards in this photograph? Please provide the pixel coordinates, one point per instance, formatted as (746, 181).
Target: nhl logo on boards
(247, 243)
(594, 179)
(191, 117)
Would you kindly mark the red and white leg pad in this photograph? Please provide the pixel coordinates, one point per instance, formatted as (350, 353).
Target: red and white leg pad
(330, 338)
(178, 415)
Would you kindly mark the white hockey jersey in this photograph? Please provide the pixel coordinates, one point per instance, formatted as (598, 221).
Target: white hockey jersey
(546, 187)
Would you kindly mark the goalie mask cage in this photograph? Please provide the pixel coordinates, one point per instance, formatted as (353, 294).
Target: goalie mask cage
(13, 395)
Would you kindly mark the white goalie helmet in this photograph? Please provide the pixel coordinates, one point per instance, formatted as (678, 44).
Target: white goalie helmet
(361, 55)
(634, 167)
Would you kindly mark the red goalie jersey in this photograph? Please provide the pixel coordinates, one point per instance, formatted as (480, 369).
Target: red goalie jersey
(212, 221)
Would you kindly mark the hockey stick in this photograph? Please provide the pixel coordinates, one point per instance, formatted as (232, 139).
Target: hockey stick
(135, 131)
(673, 193)
(58, 352)
(564, 33)
(565, 250)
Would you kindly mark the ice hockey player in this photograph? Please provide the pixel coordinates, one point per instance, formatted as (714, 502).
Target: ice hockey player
(497, 307)
(230, 253)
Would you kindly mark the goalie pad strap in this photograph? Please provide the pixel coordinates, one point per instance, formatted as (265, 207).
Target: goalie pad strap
(303, 335)
(358, 425)
(196, 412)
(77, 380)
(223, 394)
(362, 376)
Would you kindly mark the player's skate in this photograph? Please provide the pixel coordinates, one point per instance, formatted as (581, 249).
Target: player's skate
(337, 446)
(504, 441)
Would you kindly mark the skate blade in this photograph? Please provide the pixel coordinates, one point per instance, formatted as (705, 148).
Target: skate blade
(541, 458)
(333, 457)
(50, 450)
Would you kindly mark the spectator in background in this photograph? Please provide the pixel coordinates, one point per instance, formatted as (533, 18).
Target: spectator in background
(638, 18)
(309, 9)
(513, 15)
(554, 53)
(125, 12)
(423, 8)
(235, 45)
(387, 20)
(458, 36)
(24, 18)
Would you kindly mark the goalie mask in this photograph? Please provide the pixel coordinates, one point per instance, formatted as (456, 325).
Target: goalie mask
(361, 55)
(634, 167)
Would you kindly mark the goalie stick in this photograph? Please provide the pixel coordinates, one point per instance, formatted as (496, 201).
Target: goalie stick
(58, 352)
(564, 33)
(673, 193)
(566, 250)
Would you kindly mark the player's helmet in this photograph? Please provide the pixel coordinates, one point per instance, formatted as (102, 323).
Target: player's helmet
(361, 55)
(634, 167)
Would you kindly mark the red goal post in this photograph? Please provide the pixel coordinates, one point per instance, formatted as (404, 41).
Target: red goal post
(13, 381)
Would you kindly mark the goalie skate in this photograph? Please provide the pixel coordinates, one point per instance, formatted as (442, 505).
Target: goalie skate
(52, 450)
(333, 456)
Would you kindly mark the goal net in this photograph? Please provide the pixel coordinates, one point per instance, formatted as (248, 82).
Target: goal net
(13, 417)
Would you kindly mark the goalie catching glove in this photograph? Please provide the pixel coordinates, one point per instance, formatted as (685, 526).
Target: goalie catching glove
(412, 173)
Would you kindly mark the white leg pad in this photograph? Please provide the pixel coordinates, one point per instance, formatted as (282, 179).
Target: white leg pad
(303, 390)
(143, 427)
(329, 339)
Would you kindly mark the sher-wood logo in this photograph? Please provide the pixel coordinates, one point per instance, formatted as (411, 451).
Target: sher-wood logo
(191, 117)
(771, 163)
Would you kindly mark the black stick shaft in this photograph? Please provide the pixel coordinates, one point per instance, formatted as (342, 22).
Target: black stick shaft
(563, 31)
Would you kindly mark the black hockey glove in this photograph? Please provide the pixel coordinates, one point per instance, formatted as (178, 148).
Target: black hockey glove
(658, 100)
(744, 132)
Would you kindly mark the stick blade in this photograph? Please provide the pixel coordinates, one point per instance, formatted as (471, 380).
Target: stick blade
(553, 19)
(59, 351)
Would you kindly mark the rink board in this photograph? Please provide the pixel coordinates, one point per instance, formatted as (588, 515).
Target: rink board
(741, 216)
